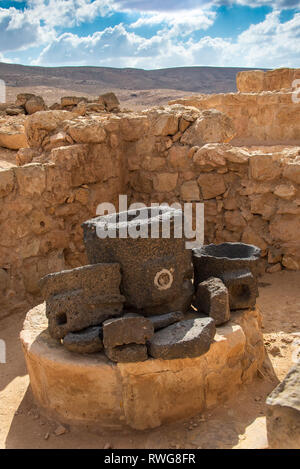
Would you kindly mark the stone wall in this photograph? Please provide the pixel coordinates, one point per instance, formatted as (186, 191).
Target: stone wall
(267, 118)
(255, 81)
(168, 154)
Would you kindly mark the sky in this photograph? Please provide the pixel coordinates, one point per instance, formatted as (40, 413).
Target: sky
(151, 34)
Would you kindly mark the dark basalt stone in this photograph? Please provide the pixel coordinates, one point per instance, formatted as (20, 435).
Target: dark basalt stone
(127, 353)
(79, 298)
(236, 264)
(129, 329)
(190, 338)
(212, 299)
(243, 289)
(156, 272)
(165, 320)
(87, 341)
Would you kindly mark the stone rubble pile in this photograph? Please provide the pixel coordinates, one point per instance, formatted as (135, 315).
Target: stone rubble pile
(86, 311)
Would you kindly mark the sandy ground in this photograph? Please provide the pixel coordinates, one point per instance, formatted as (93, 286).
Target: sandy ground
(240, 423)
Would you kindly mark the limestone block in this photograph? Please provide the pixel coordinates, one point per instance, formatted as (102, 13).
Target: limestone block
(211, 127)
(110, 101)
(264, 168)
(87, 131)
(7, 181)
(40, 125)
(292, 171)
(190, 191)
(165, 182)
(211, 185)
(35, 104)
(283, 412)
(31, 179)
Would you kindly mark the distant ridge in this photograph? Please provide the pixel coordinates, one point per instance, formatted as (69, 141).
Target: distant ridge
(189, 79)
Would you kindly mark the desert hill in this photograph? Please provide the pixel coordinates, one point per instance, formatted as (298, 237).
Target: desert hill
(135, 87)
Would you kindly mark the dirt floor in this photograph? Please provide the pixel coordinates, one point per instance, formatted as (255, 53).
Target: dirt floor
(240, 423)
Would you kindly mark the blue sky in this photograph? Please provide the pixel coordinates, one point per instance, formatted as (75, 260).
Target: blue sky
(151, 34)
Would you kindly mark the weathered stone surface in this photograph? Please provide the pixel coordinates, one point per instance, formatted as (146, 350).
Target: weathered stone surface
(283, 412)
(25, 156)
(211, 127)
(12, 134)
(86, 131)
(292, 171)
(190, 191)
(130, 353)
(82, 297)
(250, 81)
(72, 100)
(285, 191)
(31, 179)
(264, 168)
(164, 320)
(6, 181)
(255, 81)
(156, 272)
(89, 389)
(110, 101)
(35, 104)
(190, 338)
(236, 264)
(242, 288)
(211, 185)
(129, 329)
(22, 98)
(215, 260)
(165, 182)
(86, 341)
(212, 299)
(40, 125)
(277, 123)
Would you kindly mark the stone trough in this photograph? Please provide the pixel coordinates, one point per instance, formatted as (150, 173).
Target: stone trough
(131, 340)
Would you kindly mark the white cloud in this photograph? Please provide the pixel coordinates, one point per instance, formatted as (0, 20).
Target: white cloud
(184, 5)
(268, 44)
(178, 23)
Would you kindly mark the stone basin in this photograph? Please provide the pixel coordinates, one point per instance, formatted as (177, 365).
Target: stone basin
(91, 390)
(236, 264)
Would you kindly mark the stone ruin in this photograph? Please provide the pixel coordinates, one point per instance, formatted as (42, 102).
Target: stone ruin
(140, 296)
(238, 154)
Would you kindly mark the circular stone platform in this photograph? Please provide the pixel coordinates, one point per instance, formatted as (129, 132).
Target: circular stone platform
(91, 390)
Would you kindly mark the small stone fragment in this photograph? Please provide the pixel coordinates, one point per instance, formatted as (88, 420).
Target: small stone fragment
(87, 341)
(164, 320)
(212, 299)
(60, 430)
(129, 329)
(47, 436)
(127, 353)
(190, 338)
